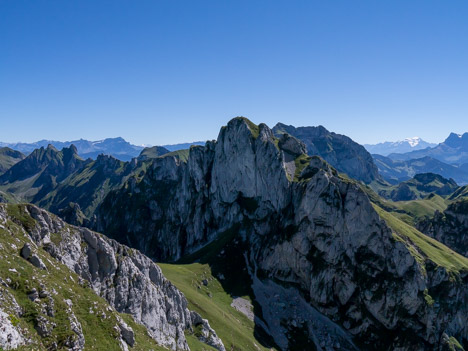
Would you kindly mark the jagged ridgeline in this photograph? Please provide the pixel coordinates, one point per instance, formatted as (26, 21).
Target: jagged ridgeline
(68, 288)
(323, 264)
(278, 249)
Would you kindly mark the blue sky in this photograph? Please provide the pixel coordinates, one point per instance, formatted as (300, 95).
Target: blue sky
(158, 72)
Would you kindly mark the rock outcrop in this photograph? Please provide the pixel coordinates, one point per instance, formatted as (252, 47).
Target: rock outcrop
(307, 230)
(10, 336)
(449, 227)
(129, 281)
(338, 150)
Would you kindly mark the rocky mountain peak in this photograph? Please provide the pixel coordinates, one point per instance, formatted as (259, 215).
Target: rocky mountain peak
(305, 234)
(152, 152)
(106, 159)
(73, 149)
(292, 145)
(340, 151)
(51, 147)
(456, 140)
(241, 125)
(426, 178)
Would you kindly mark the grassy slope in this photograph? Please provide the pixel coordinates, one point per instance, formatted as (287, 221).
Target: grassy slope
(23, 190)
(231, 326)
(213, 302)
(461, 193)
(152, 152)
(421, 190)
(87, 187)
(181, 154)
(426, 247)
(99, 333)
(408, 211)
(197, 345)
(423, 208)
(8, 158)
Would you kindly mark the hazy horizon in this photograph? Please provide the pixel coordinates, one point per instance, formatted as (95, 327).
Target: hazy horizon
(201, 139)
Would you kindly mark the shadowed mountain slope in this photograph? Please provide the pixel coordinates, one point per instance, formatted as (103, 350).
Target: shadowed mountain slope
(8, 157)
(338, 150)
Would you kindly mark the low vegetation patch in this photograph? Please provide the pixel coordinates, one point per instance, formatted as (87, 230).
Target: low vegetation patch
(183, 155)
(301, 162)
(210, 279)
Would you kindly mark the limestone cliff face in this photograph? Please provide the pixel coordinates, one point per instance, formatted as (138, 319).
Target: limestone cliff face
(128, 280)
(313, 237)
(177, 206)
(450, 227)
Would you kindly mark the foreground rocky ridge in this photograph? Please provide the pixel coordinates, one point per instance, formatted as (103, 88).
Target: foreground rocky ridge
(305, 228)
(130, 283)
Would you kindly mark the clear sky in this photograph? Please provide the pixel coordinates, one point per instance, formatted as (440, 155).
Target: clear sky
(159, 72)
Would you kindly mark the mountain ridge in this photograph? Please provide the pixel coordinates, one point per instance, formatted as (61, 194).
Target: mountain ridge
(133, 287)
(8, 158)
(322, 259)
(339, 150)
(395, 171)
(454, 150)
(401, 146)
(117, 147)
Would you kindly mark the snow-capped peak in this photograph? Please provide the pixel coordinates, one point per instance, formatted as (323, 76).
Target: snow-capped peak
(414, 141)
(402, 146)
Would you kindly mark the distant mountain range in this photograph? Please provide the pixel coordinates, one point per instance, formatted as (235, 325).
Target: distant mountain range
(60, 179)
(449, 158)
(396, 171)
(454, 150)
(117, 147)
(406, 145)
(388, 161)
(183, 146)
(419, 187)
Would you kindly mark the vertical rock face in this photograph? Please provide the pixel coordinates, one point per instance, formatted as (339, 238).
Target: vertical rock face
(449, 227)
(183, 205)
(306, 228)
(127, 279)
